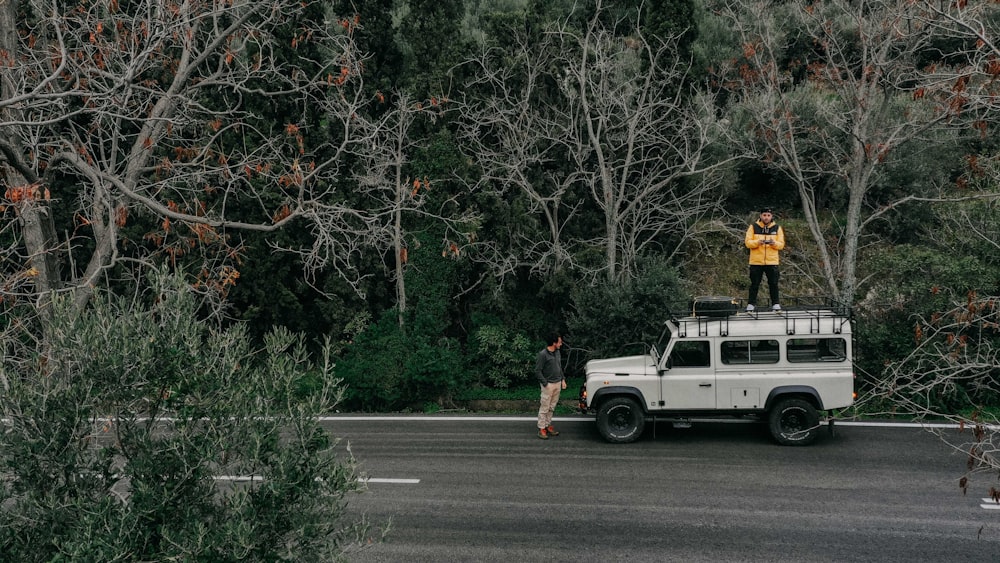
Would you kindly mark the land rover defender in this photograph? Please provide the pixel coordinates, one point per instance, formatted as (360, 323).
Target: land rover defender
(784, 367)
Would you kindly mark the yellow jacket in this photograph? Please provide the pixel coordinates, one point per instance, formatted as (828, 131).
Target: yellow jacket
(764, 254)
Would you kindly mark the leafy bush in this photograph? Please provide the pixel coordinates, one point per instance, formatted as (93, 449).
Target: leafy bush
(114, 441)
(388, 368)
(611, 318)
(910, 283)
(393, 365)
(373, 366)
(503, 356)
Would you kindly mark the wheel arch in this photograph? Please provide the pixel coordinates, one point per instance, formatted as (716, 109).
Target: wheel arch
(798, 391)
(605, 393)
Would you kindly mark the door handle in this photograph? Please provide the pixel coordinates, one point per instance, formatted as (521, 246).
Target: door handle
(704, 385)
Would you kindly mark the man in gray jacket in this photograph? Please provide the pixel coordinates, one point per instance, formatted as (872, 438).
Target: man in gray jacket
(549, 372)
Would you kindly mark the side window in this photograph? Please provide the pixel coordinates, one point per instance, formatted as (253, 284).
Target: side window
(750, 352)
(690, 353)
(817, 350)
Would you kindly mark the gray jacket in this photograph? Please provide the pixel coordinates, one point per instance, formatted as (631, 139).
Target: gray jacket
(548, 367)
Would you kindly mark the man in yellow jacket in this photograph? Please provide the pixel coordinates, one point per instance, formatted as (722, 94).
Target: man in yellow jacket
(765, 239)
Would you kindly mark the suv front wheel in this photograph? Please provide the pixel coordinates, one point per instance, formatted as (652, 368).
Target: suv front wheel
(620, 420)
(794, 422)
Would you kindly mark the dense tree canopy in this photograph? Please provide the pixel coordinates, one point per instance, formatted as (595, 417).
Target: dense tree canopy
(412, 178)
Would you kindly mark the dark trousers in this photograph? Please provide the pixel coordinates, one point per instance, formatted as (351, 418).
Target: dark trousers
(758, 272)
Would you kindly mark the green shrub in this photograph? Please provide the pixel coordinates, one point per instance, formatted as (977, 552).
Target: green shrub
(503, 356)
(373, 366)
(114, 439)
(613, 318)
(386, 368)
(393, 365)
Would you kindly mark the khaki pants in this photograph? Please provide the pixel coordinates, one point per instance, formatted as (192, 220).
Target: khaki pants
(549, 400)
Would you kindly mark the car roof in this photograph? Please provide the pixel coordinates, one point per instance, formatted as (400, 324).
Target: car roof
(798, 323)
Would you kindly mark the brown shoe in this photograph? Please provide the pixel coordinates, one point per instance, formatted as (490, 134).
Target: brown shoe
(542, 434)
(552, 431)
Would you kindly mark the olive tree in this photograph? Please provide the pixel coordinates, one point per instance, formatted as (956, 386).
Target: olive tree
(144, 434)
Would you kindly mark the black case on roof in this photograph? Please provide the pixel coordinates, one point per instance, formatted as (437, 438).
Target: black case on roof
(714, 306)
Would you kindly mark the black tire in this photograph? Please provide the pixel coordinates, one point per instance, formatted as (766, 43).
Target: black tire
(793, 422)
(620, 420)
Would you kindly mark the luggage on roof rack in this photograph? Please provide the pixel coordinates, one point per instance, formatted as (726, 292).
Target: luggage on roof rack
(714, 306)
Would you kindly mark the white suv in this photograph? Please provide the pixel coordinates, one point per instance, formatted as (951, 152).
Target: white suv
(787, 366)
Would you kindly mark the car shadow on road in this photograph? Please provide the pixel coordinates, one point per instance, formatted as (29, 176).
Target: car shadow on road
(721, 432)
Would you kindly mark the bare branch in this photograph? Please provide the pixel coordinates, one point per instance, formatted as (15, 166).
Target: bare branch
(605, 122)
(199, 119)
(834, 118)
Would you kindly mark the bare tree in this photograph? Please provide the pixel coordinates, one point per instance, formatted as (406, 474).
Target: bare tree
(515, 133)
(833, 115)
(607, 115)
(392, 192)
(952, 372)
(976, 27)
(201, 119)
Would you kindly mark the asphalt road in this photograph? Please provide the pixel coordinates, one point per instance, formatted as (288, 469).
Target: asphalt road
(486, 489)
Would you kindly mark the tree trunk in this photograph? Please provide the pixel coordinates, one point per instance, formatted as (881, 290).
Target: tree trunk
(39, 234)
(397, 245)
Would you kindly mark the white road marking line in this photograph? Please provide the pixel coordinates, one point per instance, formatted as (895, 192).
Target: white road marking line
(590, 419)
(238, 478)
(989, 504)
(369, 418)
(256, 478)
(951, 425)
(587, 419)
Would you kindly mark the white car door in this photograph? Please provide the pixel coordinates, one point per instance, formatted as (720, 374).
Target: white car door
(688, 378)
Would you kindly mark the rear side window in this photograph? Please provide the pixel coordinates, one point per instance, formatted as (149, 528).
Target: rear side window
(750, 352)
(817, 350)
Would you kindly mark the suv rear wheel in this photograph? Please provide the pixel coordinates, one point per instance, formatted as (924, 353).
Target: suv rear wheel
(794, 422)
(620, 420)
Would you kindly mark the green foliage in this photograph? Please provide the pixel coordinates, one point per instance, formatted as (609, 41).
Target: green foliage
(953, 362)
(667, 18)
(431, 37)
(392, 365)
(389, 367)
(115, 439)
(909, 282)
(502, 356)
(376, 37)
(272, 291)
(374, 367)
(614, 318)
(435, 369)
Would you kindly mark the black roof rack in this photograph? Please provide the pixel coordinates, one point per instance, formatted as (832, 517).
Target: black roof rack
(800, 315)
